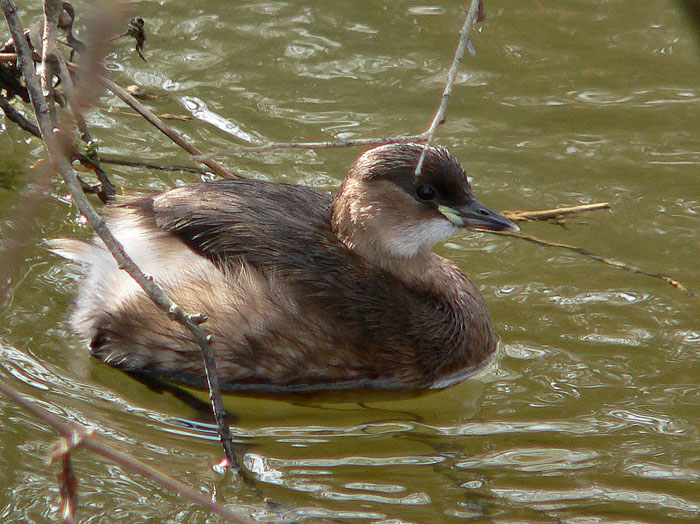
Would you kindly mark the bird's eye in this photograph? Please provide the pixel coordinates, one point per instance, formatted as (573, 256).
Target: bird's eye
(426, 192)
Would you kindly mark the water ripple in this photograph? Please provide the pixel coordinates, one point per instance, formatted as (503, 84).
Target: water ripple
(533, 459)
(552, 499)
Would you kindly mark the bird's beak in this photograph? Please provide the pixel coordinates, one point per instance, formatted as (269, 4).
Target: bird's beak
(477, 215)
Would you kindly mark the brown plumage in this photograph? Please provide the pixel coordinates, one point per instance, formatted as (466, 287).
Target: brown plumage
(302, 292)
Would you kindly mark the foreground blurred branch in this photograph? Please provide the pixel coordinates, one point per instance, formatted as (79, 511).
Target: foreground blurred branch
(56, 141)
(76, 435)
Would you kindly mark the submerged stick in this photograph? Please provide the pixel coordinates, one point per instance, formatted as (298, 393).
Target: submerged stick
(107, 159)
(600, 258)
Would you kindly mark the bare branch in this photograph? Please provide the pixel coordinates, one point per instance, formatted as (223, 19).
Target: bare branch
(18, 118)
(474, 14)
(55, 65)
(52, 10)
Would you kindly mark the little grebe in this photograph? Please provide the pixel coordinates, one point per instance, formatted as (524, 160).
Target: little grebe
(303, 292)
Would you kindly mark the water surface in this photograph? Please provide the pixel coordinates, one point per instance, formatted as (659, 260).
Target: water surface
(591, 412)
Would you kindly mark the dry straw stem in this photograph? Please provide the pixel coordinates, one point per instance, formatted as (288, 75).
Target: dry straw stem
(76, 435)
(554, 214)
(55, 143)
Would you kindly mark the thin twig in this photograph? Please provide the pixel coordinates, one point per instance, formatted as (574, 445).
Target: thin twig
(440, 115)
(55, 146)
(162, 116)
(350, 142)
(553, 214)
(18, 118)
(105, 159)
(68, 485)
(599, 258)
(105, 190)
(95, 444)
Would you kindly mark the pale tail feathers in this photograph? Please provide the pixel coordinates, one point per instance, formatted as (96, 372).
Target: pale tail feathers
(71, 249)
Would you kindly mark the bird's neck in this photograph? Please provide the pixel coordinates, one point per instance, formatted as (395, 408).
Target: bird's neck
(373, 225)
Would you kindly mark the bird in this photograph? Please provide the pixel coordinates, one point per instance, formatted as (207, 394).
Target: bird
(303, 291)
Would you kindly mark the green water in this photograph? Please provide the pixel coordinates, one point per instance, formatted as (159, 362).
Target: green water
(591, 412)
